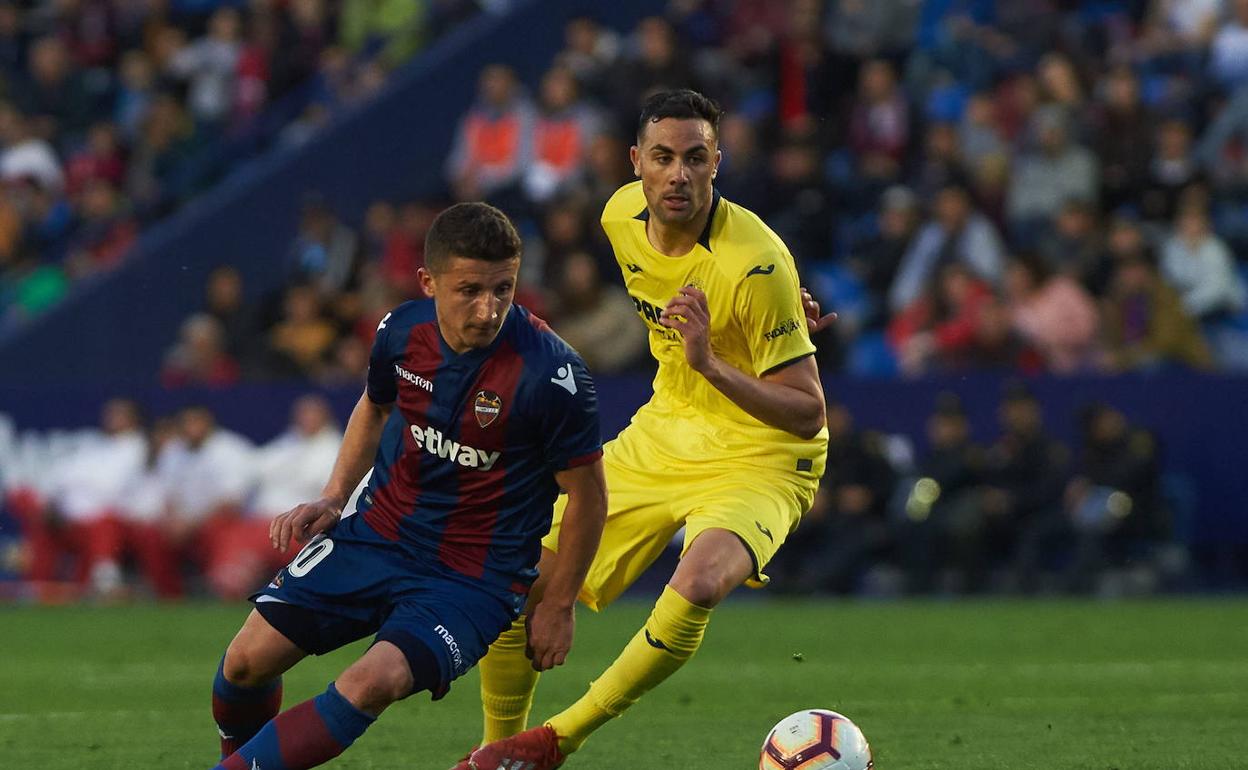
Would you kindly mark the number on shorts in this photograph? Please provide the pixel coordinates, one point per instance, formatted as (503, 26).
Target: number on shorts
(312, 554)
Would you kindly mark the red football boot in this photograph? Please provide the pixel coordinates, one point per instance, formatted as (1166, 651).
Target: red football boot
(533, 749)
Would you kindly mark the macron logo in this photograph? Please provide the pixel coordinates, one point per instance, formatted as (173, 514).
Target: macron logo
(415, 379)
(563, 378)
(451, 645)
(468, 457)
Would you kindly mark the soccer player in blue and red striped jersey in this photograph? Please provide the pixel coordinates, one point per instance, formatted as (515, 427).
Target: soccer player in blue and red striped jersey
(474, 417)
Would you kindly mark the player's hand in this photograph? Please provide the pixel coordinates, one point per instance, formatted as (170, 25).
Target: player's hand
(303, 522)
(814, 321)
(689, 314)
(550, 635)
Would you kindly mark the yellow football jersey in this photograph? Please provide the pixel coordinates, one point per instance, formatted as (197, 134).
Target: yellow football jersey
(757, 326)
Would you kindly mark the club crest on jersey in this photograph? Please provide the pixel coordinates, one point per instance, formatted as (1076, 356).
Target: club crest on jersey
(487, 407)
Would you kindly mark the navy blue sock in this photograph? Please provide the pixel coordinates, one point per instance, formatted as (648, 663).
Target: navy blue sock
(305, 736)
(240, 712)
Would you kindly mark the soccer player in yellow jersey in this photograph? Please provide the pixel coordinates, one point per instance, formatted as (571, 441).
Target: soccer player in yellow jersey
(731, 446)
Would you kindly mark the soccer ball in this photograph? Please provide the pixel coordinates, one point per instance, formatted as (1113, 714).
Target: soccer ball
(815, 739)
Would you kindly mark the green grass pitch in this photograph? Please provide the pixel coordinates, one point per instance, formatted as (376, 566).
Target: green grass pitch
(969, 685)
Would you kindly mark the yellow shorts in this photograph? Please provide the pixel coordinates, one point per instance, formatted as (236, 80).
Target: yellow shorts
(647, 507)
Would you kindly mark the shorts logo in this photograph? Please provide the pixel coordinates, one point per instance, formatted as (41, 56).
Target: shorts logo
(452, 646)
(764, 530)
(487, 407)
(788, 327)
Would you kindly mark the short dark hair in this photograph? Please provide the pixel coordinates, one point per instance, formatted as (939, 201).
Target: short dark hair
(680, 103)
(473, 231)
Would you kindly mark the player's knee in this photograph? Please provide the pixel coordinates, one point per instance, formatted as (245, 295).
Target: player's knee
(704, 589)
(373, 689)
(240, 667)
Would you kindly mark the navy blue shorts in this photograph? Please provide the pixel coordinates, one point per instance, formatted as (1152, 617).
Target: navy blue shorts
(350, 583)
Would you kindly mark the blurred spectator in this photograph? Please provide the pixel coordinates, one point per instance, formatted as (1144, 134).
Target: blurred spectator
(980, 137)
(939, 330)
(879, 124)
(589, 52)
(289, 470)
(325, 252)
(224, 300)
(144, 505)
(404, 251)
(494, 141)
(941, 497)
(564, 127)
(806, 81)
(847, 527)
(303, 337)
(1145, 325)
(1114, 500)
(199, 357)
(744, 176)
(1173, 169)
(653, 59)
(1228, 53)
(210, 472)
(596, 318)
(860, 30)
(349, 364)
(101, 158)
(210, 64)
(1023, 475)
(1054, 314)
(877, 261)
(53, 91)
(80, 518)
(957, 233)
(135, 92)
(105, 230)
(941, 164)
(1073, 244)
(1055, 171)
(157, 177)
(27, 156)
(1198, 264)
(1125, 131)
(800, 200)
(1176, 31)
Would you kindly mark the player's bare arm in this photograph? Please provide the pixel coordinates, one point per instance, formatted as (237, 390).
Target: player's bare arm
(790, 398)
(551, 623)
(355, 457)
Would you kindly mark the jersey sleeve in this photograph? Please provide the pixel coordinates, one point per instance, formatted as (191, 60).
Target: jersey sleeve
(769, 310)
(571, 433)
(381, 387)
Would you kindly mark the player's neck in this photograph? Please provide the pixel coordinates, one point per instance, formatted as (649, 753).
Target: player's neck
(676, 240)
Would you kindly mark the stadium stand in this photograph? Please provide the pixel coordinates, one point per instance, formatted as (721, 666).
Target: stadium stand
(983, 191)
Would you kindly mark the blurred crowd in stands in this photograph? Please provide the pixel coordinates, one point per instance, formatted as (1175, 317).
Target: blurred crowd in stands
(180, 505)
(1027, 186)
(115, 112)
(173, 499)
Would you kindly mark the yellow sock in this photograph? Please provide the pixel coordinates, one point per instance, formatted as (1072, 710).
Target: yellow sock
(507, 684)
(670, 636)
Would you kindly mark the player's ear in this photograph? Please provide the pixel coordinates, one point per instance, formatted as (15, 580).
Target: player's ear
(634, 155)
(426, 281)
(719, 155)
